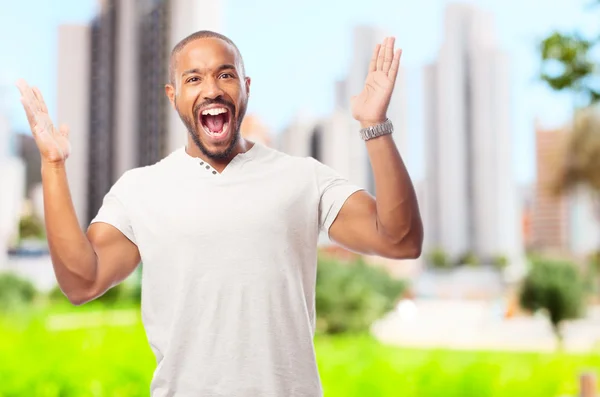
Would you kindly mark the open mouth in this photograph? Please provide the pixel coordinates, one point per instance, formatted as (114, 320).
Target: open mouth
(215, 122)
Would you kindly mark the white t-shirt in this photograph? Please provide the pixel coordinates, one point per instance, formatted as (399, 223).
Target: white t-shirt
(229, 268)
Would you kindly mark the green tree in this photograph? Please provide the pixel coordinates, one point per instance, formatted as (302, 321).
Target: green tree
(556, 288)
(569, 63)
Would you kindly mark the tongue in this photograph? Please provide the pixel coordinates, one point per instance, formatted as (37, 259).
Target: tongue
(215, 123)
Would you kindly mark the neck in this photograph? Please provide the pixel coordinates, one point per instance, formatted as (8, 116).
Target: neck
(241, 146)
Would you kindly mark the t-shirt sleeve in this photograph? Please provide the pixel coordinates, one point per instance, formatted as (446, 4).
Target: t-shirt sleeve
(334, 190)
(113, 210)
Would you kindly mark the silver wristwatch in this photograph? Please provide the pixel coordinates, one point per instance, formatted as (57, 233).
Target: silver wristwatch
(377, 130)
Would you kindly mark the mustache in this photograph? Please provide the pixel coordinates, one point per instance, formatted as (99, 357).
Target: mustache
(217, 101)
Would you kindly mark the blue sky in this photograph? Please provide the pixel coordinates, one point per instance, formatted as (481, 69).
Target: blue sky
(294, 51)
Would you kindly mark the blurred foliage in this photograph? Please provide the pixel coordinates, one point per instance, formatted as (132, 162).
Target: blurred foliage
(439, 259)
(31, 227)
(468, 259)
(115, 361)
(570, 64)
(351, 296)
(581, 165)
(500, 261)
(555, 287)
(15, 292)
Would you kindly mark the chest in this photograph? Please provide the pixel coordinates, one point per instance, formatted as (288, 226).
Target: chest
(191, 214)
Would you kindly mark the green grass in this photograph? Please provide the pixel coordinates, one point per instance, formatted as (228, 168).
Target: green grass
(115, 361)
(352, 366)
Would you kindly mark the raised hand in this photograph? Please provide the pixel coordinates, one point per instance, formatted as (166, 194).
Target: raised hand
(370, 106)
(53, 144)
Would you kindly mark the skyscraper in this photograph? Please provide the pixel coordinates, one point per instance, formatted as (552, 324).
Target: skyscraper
(365, 38)
(12, 189)
(111, 90)
(550, 220)
(471, 195)
(73, 109)
(334, 139)
(186, 17)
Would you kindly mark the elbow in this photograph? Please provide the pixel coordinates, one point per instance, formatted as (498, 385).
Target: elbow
(409, 246)
(406, 250)
(79, 297)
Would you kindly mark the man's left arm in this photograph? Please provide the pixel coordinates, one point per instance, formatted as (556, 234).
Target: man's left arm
(390, 225)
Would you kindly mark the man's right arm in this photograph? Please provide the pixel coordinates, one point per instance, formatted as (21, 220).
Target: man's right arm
(85, 265)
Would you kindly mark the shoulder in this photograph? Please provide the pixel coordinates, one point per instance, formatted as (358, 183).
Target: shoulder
(138, 180)
(275, 159)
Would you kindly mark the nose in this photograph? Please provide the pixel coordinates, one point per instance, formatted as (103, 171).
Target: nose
(211, 89)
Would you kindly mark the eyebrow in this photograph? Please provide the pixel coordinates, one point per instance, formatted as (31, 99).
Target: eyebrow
(226, 66)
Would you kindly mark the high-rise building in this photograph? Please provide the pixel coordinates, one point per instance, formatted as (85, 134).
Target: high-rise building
(12, 189)
(365, 38)
(186, 17)
(73, 109)
(253, 129)
(471, 194)
(112, 76)
(550, 215)
(334, 140)
(28, 151)
(584, 223)
(562, 223)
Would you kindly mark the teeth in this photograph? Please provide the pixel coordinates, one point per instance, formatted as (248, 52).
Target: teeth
(214, 111)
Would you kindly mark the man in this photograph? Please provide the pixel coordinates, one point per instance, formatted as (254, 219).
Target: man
(227, 229)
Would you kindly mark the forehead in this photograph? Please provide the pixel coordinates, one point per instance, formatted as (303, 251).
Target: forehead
(205, 53)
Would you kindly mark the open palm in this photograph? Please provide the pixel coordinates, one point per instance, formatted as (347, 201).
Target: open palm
(370, 106)
(52, 143)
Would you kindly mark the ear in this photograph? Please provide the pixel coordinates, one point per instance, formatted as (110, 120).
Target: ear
(170, 91)
(247, 80)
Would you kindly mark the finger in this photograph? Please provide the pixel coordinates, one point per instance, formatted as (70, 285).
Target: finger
(388, 55)
(40, 99)
(393, 73)
(28, 113)
(373, 63)
(27, 94)
(381, 55)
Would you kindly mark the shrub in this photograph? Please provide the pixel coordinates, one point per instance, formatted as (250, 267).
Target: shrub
(468, 258)
(15, 292)
(500, 261)
(555, 287)
(31, 227)
(438, 259)
(350, 297)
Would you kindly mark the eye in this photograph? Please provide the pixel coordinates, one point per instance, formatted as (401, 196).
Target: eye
(192, 80)
(226, 76)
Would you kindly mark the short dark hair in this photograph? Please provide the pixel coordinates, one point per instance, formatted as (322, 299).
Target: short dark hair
(202, 34)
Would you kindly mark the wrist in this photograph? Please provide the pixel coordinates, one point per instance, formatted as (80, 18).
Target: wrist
(52, 165)
(371, 123)
(370, 130)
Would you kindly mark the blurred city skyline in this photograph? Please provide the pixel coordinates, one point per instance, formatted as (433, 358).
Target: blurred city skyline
(318, 53)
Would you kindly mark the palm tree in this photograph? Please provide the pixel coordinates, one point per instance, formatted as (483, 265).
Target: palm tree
(581, 165)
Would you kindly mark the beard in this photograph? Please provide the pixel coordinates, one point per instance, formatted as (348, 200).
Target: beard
(195, 128)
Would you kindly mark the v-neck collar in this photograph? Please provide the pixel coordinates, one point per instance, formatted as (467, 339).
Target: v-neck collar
(234, 164)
